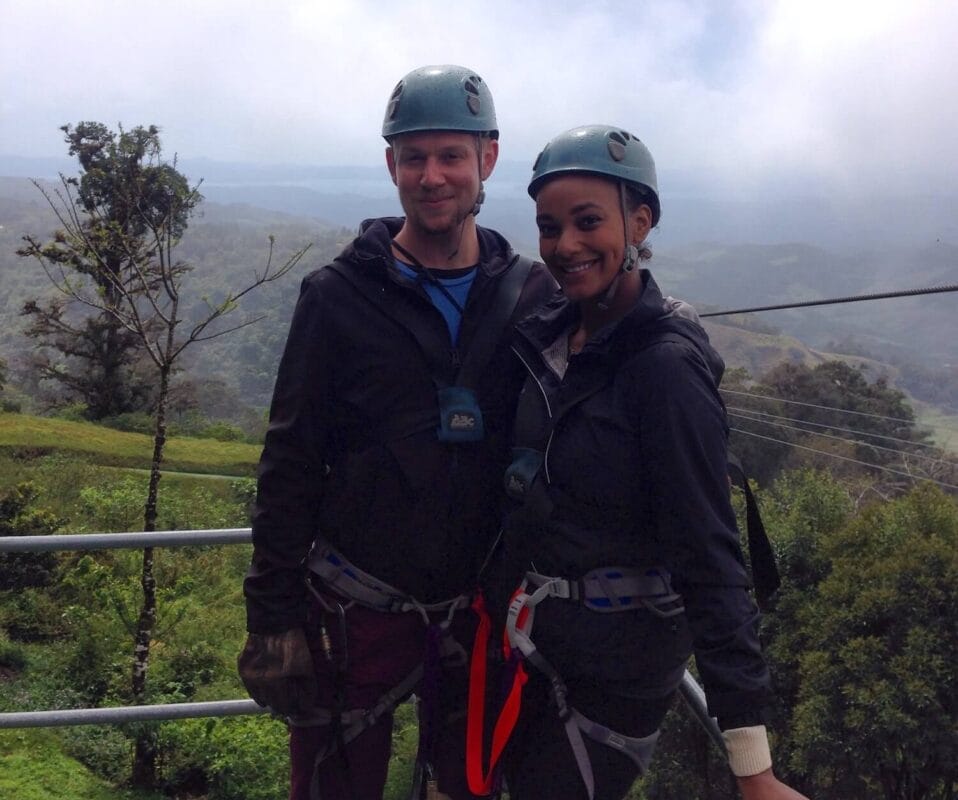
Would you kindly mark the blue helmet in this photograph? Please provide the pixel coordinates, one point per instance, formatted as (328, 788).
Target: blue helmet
(440, 98)
(599, 150)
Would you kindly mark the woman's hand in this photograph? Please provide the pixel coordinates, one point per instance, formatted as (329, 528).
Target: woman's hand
(765, 786)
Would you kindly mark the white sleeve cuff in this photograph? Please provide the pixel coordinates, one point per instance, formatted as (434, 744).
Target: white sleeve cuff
(748, 752)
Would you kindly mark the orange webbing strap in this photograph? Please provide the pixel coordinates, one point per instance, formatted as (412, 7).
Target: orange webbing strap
(480, 781)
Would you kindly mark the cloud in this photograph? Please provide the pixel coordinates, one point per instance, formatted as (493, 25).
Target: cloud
(849, 95)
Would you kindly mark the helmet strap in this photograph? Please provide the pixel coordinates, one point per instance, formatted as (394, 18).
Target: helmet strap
(630, 255)
(481, 196)
(480, 199)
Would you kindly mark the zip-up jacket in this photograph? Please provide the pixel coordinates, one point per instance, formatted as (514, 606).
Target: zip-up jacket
(351, 452)
(634, 474)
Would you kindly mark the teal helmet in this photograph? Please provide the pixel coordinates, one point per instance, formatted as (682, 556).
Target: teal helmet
(599, 150)
(440, 98)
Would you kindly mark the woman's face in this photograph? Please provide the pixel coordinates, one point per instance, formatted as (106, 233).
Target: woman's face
(581, 236)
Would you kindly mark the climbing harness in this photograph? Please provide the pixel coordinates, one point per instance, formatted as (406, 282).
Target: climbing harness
(336, 573)
(342, 585)
(604, 590)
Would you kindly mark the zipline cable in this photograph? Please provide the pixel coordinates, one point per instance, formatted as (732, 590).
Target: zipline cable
(833, 428)
(894, 450)
(835, 300)
(846, 458)
(833, 408)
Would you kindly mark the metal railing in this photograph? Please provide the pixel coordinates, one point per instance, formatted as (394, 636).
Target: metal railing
(126, 541)
(689, 690)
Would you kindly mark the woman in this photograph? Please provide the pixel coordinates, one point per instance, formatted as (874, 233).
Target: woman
(622, 535)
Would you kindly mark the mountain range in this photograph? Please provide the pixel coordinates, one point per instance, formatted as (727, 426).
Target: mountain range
(718, 254)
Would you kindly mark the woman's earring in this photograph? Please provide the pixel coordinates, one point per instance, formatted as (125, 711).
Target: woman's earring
(631, 258)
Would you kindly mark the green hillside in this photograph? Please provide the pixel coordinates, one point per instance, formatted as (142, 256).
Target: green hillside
(33, 767)
(31, 436)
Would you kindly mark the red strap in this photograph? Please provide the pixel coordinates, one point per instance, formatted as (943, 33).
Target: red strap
(480, 782)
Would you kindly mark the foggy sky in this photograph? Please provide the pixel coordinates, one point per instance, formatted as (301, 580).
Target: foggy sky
(854, 98)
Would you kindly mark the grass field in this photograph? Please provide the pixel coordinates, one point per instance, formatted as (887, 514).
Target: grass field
(33, 767)
(31, 436)
(943, 427)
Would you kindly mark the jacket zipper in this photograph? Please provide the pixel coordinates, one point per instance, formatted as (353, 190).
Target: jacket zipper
(545, 398)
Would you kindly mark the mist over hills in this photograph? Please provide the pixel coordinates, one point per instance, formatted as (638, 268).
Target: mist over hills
(785, 211)
(717, 253)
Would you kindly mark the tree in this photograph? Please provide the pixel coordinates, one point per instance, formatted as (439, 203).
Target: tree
(878, 672)
(123, 188)
(830, 417)
(124, 267)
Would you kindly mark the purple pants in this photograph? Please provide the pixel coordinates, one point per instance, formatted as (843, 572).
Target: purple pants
(383, 648)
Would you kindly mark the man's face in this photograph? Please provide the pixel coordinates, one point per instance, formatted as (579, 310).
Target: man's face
(438, 175)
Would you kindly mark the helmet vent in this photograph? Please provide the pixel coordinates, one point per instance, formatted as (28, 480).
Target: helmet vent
(472, 94)
(616, 149)
(394, 98)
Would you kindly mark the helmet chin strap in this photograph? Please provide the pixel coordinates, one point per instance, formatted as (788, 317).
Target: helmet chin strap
(481, 196)
(629, 259)
(480, 199)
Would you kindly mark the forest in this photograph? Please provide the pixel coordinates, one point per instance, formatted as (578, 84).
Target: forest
(851, 457)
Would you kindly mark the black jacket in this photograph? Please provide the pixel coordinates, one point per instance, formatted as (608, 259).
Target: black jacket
(351, 452)
(635, 474)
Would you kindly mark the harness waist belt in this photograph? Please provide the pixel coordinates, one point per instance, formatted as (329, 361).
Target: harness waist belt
(338, 574)
(610, 589)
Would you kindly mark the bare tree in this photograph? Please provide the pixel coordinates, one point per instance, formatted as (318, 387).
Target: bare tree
(145, 300)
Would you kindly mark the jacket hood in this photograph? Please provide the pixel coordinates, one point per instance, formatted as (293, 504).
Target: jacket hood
(652, 313)
(375, 235)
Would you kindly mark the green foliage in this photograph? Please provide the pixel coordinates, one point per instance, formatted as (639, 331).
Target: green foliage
(223, 432)
(813, 420)
(105, 749)
(12, 656)
(402, 760)
(119, 507)
(31, 614)
(74, 412)
(862, 643)
(802, 511)
(18, 517)
(131, 422)
(102, 255)
(238, 758)
(881, 662)
(33, 766)
(686, 764)
(89, 613)
(36, 436)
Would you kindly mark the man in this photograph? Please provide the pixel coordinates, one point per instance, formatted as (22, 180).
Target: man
(379, 482)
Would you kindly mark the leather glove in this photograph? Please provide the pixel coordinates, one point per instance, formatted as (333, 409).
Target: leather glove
(277, 671)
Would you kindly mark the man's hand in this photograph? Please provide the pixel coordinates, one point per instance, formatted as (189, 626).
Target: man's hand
(765, 786)
(277, 671)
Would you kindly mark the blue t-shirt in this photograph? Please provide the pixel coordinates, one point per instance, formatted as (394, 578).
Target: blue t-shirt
(457, 286)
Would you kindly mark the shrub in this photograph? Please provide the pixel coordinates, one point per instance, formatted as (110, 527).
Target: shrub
(75, 412)
(19, 517)
(237, 758)
(223, 432)
(12, 656)
(105, 749)
(131, 422)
